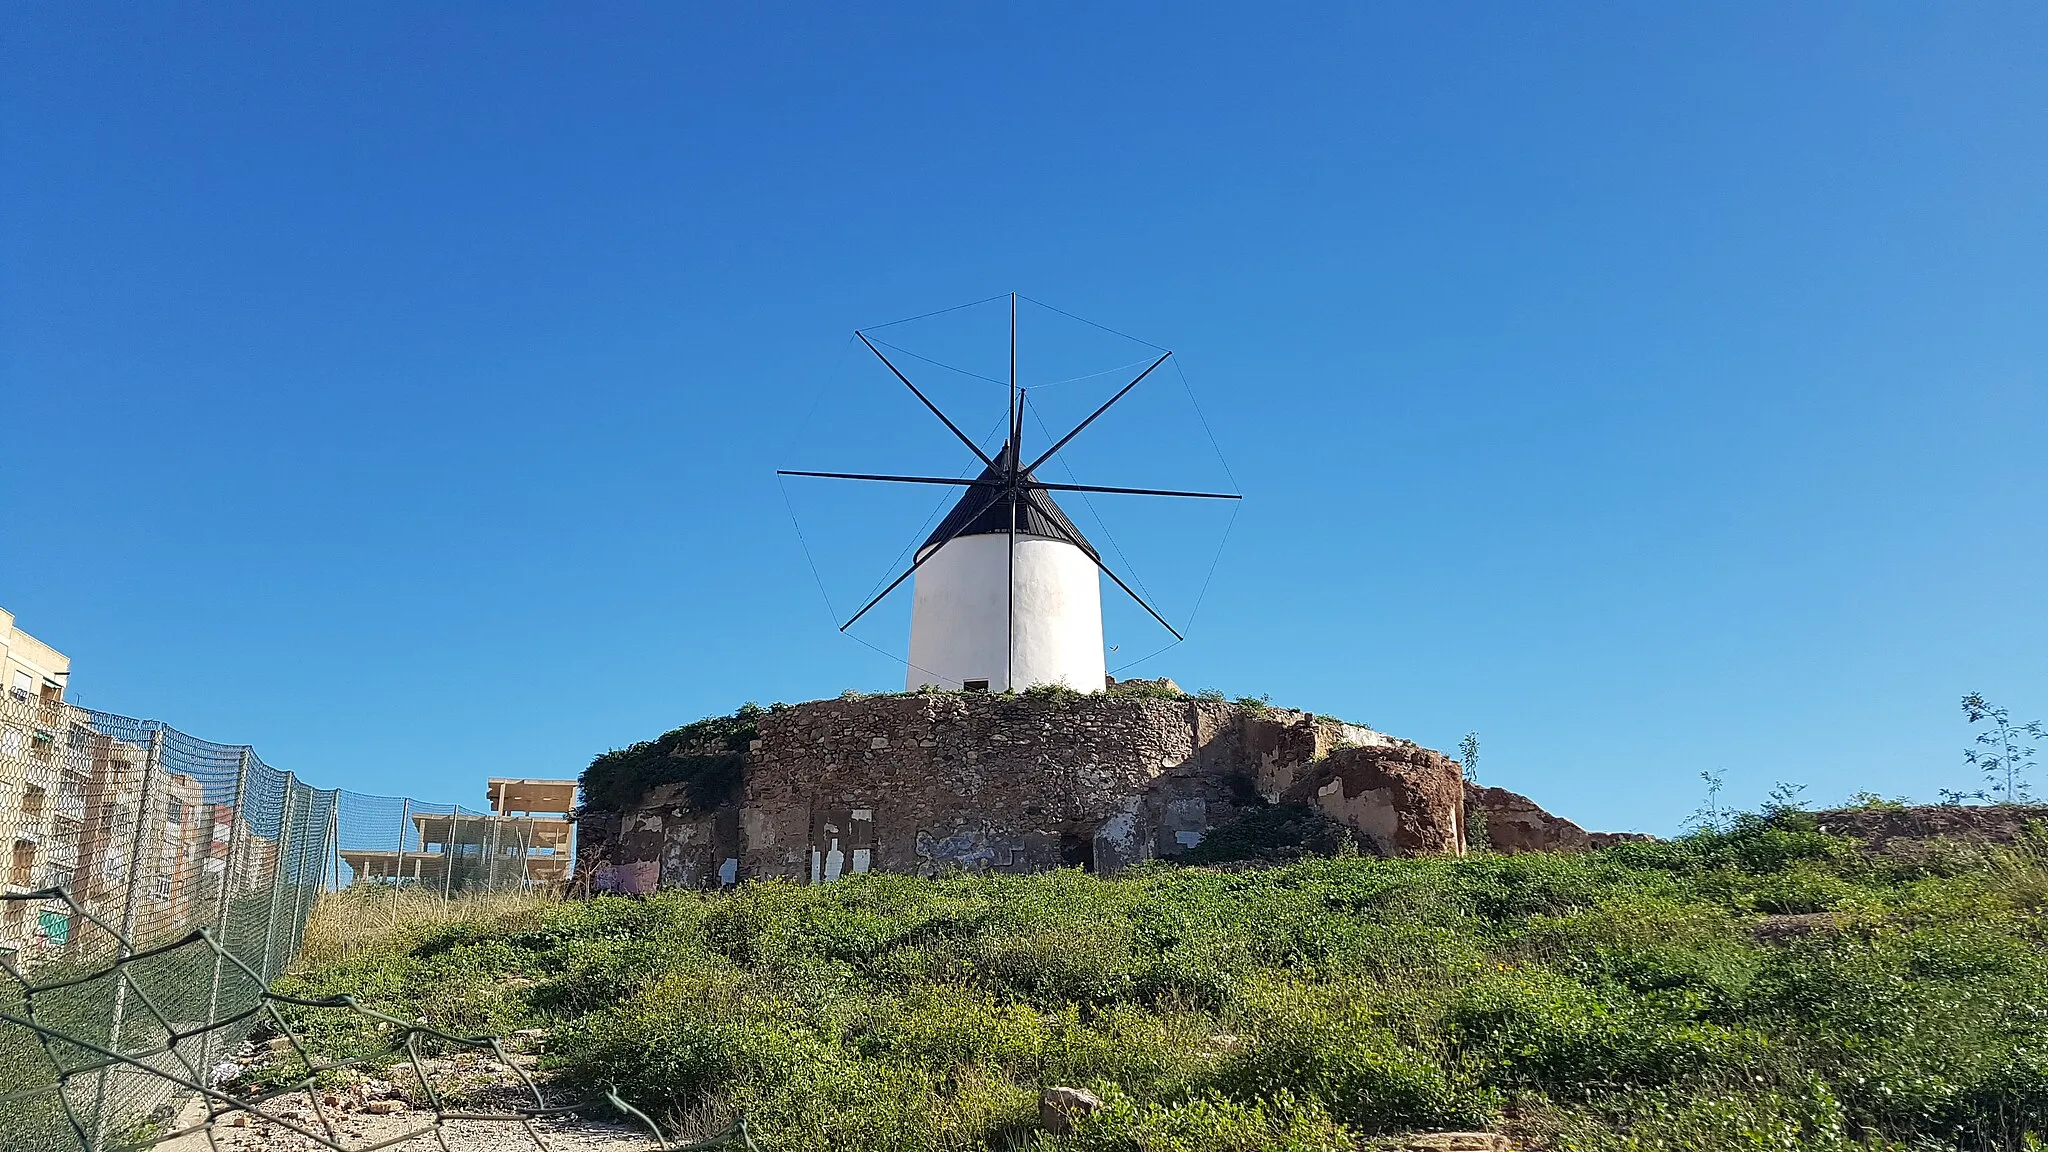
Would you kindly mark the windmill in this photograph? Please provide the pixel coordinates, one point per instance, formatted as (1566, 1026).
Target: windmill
(1006, 593)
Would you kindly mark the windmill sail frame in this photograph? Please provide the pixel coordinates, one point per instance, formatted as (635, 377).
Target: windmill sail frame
(1011, 483)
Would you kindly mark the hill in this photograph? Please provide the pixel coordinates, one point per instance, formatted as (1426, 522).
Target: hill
(1767, 986)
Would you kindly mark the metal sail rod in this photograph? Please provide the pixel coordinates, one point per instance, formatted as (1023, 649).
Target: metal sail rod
(1133, 491)
(1055, 526)
(926, 555)
(1091, 416)
(971, 445)
(1010, 622)
(954, 480)
(1016, 408)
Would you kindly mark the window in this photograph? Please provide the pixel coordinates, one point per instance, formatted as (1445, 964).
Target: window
(23, 683)
(32, 801)
(174, 810)
(974, 686)
(12, 740)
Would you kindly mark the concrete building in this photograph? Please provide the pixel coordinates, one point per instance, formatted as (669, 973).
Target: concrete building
(28, 666)
(528, 839)
(44, 782)
(72, 816)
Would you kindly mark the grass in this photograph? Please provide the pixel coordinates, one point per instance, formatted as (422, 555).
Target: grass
(1766, 987)
(377, 918)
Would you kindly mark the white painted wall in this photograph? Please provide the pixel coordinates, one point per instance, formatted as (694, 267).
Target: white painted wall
(959, 616)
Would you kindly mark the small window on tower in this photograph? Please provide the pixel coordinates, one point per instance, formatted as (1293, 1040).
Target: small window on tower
(974, 685)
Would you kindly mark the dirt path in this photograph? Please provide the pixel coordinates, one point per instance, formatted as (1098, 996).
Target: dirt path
(359, 1129)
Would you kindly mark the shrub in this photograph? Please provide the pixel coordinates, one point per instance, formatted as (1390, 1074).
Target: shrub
(1207, 1123)
(706, 758)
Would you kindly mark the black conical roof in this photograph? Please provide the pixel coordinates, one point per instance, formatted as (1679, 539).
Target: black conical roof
(1037, 514)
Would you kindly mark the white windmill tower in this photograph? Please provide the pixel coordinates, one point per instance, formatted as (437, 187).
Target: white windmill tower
(1006, 593)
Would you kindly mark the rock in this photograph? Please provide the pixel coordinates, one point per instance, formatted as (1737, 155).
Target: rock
(1455, 1142)
(1058, 1107)
(384, 1107)
(279, 1044)
(1983, 823)
(1610, 839)
(1515, 823)
(241, 1120)
(1404, 800)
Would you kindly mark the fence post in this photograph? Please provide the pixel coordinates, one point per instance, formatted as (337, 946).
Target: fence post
(296, 926)
(491, 868)
(220, 912)
(398, 876)
(448, 853)
(126, 945)
(284, 824)
(333, 860)
(310, 886)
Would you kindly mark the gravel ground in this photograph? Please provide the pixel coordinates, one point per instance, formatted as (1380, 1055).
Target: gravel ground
(362, 1130)
(367, 1112)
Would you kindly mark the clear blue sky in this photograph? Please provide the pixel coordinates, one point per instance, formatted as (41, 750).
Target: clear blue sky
(398, 387)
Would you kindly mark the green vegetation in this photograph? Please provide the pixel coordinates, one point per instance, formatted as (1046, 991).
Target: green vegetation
(2004, 752)
(1762, 985)
(1144, 688)
(1273, 834)
(706, 758)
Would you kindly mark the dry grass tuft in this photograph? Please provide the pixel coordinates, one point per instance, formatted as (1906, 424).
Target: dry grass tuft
(367, 916)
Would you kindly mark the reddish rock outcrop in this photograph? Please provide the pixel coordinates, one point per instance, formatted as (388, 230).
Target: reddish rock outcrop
(1515, 823)
(1405, 800)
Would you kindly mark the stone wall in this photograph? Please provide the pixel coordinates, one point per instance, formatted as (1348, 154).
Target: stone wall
(663, 843)
(666, 841)
(937, 781)
(930, 782)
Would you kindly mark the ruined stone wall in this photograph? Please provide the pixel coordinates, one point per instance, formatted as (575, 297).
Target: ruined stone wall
(665, 841)
(930, 782)
(1026, 783)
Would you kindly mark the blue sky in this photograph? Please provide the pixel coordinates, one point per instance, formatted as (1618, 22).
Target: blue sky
(398, 388)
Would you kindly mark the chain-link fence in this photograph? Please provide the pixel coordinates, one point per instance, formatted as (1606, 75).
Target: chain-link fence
(128, 840)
